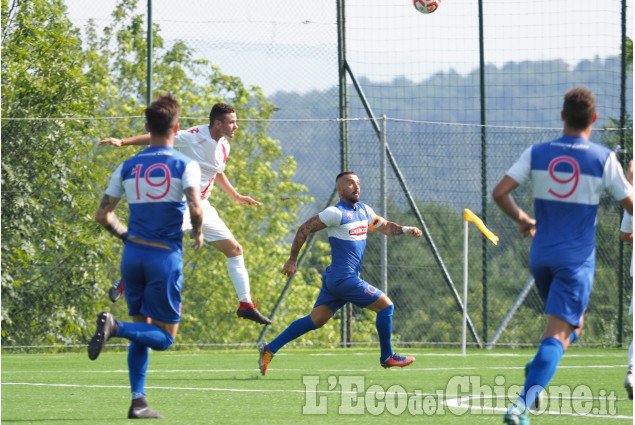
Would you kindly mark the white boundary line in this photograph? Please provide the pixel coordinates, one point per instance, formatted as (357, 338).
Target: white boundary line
(305, 370)
(452, 400)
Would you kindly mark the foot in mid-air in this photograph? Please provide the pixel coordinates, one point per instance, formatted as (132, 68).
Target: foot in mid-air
(140, 410)
(535, 407)
(628, 384)
(115, 290)
(250, 312)
(516, 415)
(106, 329)
(265, 356)
(395, 360)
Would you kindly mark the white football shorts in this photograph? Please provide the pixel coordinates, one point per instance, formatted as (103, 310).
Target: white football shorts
(213, 227)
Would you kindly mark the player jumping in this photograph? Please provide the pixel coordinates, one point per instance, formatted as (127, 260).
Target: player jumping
(208, 145)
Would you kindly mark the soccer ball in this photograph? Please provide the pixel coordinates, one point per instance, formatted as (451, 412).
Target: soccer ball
(426, 6)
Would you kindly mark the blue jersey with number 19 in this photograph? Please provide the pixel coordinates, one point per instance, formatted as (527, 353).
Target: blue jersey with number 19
(568, 175)
(154, 182)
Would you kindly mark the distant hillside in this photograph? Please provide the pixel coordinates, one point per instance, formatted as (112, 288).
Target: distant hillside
(527, 94)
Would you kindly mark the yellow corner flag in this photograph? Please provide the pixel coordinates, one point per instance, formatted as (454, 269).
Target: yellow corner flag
(470, 216)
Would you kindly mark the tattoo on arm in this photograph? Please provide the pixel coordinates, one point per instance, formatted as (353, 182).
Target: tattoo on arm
(391, 229)
(192, 197)
(311, 225)
(108, 219)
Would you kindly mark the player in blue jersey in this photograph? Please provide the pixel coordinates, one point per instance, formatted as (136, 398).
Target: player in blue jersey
(567, 176)
(159, 184)
(209, 146)
(346, 224)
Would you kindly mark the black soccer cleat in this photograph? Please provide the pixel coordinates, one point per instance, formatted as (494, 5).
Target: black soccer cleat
(106, 329)
(115, 291)
(143, 413)
(250, 312)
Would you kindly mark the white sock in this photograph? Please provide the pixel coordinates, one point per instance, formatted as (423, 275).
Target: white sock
(630, 357)
(239, 276)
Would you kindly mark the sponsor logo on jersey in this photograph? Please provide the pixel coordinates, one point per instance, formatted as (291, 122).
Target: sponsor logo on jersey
(358, 231)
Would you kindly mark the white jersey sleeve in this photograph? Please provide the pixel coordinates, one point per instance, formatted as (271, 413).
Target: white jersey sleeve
(614, 179)
(331, 216)
(521, 170)
(116, 188)
(192, 175)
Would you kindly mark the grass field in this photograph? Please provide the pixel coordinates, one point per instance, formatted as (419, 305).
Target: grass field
(311, 387)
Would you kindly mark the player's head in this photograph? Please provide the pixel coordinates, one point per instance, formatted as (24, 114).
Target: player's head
(348, 187)
(162, 116)
(223, 121)
(578, 109)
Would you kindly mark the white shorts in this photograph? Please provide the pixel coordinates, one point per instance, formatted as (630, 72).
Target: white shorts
(213, 227)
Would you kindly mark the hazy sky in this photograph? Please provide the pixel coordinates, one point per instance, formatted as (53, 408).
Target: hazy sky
(292, 44)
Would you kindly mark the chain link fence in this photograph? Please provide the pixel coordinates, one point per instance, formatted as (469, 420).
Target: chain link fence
(422, 72)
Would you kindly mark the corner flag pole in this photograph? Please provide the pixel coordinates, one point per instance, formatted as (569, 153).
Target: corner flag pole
(470, 216)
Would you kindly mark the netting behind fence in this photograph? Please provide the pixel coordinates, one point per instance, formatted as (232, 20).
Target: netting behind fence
(422, 72)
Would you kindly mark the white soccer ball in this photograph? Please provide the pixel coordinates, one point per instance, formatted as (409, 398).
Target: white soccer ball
(426, 6)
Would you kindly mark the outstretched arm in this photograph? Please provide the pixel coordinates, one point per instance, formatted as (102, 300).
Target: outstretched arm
(391, 229)
(142, 139)
(107, 218)
(313, 224)
(223, 182)
(502, 197)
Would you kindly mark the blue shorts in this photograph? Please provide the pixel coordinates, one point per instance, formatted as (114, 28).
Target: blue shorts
(337, 292)
(566, 289)
(153, 278)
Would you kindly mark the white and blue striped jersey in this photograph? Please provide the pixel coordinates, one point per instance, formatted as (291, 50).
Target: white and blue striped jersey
(347, 226)
(154, 182)
(568, 175)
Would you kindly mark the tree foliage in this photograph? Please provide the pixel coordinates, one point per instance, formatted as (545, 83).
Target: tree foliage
(50, 256)
(56, 260)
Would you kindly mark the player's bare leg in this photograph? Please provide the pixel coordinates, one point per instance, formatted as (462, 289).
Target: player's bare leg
(240, 278)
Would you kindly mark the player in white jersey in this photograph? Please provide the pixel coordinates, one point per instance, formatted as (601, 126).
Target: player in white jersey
(626, 235)
(347, 223)
(567, 177)
(208, 145)
(159, 183)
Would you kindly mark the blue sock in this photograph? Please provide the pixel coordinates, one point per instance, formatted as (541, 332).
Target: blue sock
(294, 330)
(138, 359)
(542, 369)
(145, 334)
(383, 322)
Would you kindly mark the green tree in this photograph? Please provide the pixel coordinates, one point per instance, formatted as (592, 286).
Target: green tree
(50, 255)
(256, 167)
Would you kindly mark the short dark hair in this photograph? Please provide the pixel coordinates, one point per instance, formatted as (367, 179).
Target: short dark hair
(579, 108)
(163, 114)
(342, 174)
(219, 111)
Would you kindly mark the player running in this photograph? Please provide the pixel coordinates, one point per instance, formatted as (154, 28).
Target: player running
(567, 177)
(158, 182)
(208, 145)
(346, 224)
